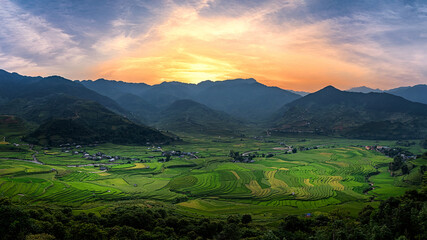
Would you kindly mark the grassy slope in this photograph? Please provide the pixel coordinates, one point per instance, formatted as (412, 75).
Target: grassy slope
(66, 119)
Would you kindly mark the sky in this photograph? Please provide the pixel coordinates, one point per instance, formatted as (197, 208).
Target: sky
(293, 44)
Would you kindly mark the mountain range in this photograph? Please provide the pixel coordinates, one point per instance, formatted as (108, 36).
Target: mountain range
(361, 115)
(417, 93)
(62, 110)
(15, 86)
(364, 89)
(244, 99)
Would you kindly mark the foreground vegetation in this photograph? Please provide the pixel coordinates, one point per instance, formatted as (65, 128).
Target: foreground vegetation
(395, 218)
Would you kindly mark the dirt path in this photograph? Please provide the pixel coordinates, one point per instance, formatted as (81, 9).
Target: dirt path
(35, 160)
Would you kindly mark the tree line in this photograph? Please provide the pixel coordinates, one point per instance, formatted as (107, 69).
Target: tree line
(396, 218)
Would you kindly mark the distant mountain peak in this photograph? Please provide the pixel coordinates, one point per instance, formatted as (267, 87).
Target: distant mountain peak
(175, 83)
(206, 82)
(56, 78)
(364, 89)
(243, 80)
(105, 80)
(236, 80)
(328, 89)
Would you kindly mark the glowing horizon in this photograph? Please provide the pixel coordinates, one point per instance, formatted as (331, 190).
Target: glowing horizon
(295, 44)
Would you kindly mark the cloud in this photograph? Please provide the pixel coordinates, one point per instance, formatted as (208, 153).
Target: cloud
(297, 44)
(35, 41)
(19, 64)
(190, 46)
(387, 43)
(184, 32)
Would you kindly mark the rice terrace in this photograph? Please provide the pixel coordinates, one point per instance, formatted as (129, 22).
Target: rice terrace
(198, 175)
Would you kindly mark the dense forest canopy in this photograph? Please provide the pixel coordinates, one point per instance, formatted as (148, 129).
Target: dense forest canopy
(400, 218)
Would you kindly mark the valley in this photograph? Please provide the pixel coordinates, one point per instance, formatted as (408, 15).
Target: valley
(227, 158)
(197, 176)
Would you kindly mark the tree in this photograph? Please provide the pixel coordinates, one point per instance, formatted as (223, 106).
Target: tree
(246, 218)
(396, 164)
(231, 232)
(14, 222)
(124, 232)
(208, 229)
(233, 219)
(381, 233)
(269, 235)
(405, 169)
(365, 214)
(292, 224)
(87, 231)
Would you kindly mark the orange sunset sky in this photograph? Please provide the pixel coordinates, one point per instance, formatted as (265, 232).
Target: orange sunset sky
(295, 44)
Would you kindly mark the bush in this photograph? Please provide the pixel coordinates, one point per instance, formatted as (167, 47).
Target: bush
(246, 218)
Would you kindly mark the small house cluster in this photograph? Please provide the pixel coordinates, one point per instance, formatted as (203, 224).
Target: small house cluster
(245, 160)
(168, 155)
(72, 148)
(95, 157)
(392, 152)
(99, 156)
(179, 154)
(291, 149)
(155, 149)
(380, 149)
(75, 145)
(242, 158)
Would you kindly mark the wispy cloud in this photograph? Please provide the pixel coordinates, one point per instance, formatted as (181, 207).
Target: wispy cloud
(389, 44)
(19, 64)
(34, 40)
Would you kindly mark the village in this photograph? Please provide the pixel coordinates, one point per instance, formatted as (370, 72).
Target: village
(165, 156)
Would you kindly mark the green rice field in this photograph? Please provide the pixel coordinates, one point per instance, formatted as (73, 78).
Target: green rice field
(335, 174)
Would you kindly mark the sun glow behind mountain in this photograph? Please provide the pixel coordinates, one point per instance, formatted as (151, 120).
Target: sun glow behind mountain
(303, 45)
(190, 47)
